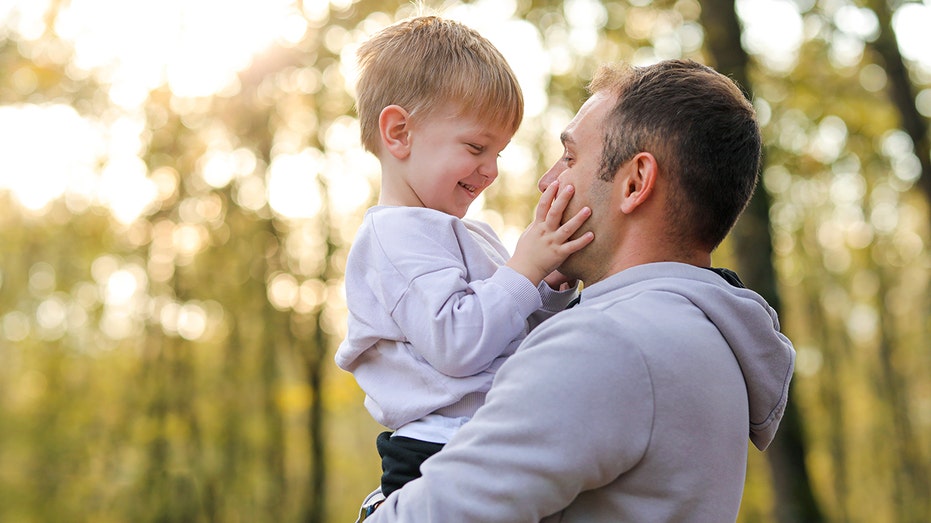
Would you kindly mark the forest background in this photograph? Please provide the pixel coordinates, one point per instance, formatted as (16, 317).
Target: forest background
(180, 182)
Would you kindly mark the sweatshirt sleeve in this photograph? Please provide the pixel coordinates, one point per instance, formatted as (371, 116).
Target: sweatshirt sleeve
(554, 301)
(563, 417)
(460, 327)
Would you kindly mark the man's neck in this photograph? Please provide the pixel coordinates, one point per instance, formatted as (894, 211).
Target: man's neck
(642, 257)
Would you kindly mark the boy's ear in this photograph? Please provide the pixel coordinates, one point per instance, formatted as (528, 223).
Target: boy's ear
(394, 125)
(637, 178)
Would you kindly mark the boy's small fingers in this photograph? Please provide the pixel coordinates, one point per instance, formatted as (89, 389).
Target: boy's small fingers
(572, 225)
(580, 217)
(546, 200)
(560, 202)
(581, 241)
(564, 195)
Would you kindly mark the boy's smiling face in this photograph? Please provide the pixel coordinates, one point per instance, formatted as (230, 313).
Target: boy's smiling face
(452, 158)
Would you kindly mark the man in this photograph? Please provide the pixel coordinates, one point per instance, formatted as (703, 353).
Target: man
(636, 404)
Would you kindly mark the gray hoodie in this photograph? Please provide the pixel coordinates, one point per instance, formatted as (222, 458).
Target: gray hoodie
(636, 405)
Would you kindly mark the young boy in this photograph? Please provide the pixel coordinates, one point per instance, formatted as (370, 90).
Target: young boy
(435, 301)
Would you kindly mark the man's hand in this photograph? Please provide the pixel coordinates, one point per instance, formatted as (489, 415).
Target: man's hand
(546, 242)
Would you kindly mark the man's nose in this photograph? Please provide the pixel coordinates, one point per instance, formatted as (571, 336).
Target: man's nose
(549, 177)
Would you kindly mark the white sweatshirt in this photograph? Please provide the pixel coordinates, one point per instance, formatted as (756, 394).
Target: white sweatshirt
(433, 313)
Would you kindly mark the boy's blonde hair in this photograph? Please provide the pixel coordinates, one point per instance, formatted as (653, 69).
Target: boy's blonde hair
(422, 62)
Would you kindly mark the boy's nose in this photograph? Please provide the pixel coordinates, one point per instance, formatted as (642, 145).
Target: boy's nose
(490, 171)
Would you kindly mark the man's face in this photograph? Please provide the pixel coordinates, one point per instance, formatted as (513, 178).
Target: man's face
(583, 143)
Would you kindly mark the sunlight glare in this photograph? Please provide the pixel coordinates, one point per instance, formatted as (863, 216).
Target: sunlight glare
(829, 139)
(27, 17)
(188, 239)
(121, 286)
(125, 189)
(518, 160)
(292, 184)
(773, 30)
(923, 102)
(191, 321)
(42, 148)
(195, 47)
(898, 148)
(316, 11)
(347, 168)
(125, 299)
(348, 178)
(51, 315)
(586, 18)
(250, 193)
(911, 23)
(36, 177)
(217, 168)
(312, 294)
(220, 38)
(188, 320)
(283, 291)
(857, 21)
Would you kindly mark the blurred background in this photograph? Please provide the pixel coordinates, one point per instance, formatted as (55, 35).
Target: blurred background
(180, 182)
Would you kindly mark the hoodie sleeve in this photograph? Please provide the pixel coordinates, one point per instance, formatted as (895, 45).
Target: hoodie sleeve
(554, 301)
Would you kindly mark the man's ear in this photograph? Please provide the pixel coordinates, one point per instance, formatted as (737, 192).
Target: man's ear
(394, 125)
(637, 177)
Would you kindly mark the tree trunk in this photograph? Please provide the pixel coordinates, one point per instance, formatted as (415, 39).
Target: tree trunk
(794, 500)
(835, 354)
(901, 91)
(316, 358)
(910, 476)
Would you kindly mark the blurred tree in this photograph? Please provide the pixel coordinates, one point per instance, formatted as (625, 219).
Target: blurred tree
(794, 500)
(901, 90)
(833, 176)
(912, 480)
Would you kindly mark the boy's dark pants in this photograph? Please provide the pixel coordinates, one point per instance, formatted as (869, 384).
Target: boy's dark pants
(401, 459)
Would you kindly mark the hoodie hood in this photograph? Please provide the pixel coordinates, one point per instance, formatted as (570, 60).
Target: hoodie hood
(750, 326)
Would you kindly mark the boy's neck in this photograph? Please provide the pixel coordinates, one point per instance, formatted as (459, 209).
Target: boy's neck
(394, 191)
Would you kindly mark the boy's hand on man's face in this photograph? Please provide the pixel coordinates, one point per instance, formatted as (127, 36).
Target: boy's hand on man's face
(546, 243)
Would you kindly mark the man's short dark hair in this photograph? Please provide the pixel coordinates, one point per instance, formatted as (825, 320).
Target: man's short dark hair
(702, 131)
